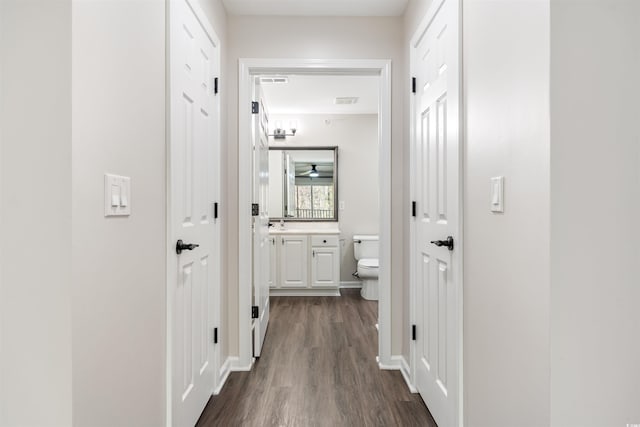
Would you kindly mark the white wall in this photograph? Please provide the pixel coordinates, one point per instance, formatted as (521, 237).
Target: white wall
(322, 37)
(506, 268)
(356, 136)
(119, 302)
(35, 213)
(595, 213)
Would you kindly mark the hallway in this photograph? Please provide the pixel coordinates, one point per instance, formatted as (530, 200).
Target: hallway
(318, 368)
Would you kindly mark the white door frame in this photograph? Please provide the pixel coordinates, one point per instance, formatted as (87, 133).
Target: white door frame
(170, 244)
(459, 268)
(253, 67)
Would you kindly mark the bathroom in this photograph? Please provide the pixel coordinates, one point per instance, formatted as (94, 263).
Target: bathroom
(323, 184)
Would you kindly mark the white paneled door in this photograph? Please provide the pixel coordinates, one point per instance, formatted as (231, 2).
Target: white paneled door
(261, 240)
(436, 169)
(194, 233)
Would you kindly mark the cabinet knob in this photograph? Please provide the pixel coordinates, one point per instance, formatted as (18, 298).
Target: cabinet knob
(324, 241)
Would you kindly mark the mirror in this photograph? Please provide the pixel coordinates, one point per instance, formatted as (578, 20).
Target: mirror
(303, 183)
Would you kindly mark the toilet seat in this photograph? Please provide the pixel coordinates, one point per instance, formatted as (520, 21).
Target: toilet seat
(369, 263)
(368, 268)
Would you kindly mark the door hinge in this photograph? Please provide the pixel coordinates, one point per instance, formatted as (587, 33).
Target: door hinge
(413, 332)
(255, 107)
(215, 210)
(255, 209)
(413, 85)
(413, 208)
(215, 335)
(215, 85)
(254, 312)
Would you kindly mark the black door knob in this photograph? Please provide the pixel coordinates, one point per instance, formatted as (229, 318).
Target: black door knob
(448, 243)
(182, 246)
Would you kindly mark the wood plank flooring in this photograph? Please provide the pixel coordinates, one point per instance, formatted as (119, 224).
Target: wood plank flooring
(318, 368)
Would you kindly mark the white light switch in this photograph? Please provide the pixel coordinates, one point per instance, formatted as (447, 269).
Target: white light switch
(117, 195)
(497, 194)
(125, 188)
(341, 205)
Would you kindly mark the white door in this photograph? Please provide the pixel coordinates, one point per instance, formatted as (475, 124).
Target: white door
(436, 176)
(325, 267)
(194, 273)
(293, 261)
(261, 242)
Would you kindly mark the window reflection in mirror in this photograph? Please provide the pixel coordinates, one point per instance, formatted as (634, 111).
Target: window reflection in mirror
(303, 183)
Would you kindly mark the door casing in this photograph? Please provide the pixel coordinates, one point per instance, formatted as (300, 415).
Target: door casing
(249, 68)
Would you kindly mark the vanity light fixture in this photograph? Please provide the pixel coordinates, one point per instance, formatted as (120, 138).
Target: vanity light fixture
(280, 133)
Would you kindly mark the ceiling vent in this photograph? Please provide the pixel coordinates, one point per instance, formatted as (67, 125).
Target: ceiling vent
(346, 100)
(274, 80)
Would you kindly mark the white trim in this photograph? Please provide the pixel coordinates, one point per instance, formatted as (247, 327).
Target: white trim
(406, 374)
(399, 363)
(351, 285)
(170, 254)
(249, 67)
(223, 374)
(279, 292)
(236, 366)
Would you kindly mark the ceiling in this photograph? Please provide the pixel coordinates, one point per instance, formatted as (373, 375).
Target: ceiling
(317, 94)
(316, 7)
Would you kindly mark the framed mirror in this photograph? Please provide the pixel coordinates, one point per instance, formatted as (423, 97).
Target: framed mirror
(303, 183)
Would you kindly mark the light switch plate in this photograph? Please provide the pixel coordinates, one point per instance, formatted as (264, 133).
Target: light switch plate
(497, 194)
(341, 205)
(117, 195)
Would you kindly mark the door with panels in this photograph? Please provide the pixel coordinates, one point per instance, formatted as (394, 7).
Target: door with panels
(435, 264)
(261, 240)
(194, 232)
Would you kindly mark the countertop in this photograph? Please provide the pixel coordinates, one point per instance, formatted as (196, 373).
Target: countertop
(277, 231)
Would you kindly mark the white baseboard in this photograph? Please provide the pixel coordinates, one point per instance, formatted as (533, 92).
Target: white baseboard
(351, 285)
(225, 370)
(279, 292)
(398, 363)
(230, 365)
(392, 365)
(406, 374)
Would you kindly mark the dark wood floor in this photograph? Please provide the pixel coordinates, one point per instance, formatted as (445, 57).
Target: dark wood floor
(318, 368)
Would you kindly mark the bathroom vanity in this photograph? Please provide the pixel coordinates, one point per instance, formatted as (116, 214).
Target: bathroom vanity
(304, 262)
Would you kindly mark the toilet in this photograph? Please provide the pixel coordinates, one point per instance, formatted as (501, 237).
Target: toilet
(365, 251)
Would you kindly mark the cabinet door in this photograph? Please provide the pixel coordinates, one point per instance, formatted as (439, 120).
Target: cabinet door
(273, 264)
(325, 267)
(294, 252)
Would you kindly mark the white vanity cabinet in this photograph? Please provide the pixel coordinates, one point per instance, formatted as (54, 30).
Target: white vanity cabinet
(325, 262)
(273, 259)
(304, 263)
(294, 261)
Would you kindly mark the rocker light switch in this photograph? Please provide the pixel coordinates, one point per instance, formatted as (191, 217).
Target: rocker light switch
(117, 195)
(497, 194)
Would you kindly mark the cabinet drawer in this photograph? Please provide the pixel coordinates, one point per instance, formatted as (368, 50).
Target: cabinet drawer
(324, 241)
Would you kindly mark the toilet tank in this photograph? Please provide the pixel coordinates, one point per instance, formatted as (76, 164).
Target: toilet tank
(365, 246)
